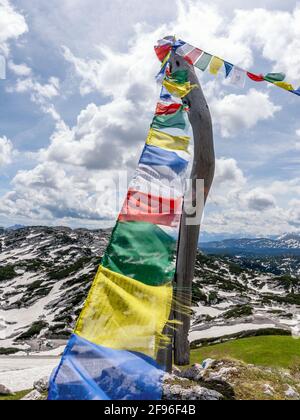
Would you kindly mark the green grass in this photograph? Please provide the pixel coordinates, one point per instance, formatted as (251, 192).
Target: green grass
(276, 351)
(18, 396)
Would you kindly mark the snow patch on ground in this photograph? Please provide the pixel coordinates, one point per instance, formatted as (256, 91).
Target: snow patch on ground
(215, 332)
(206, 310)
(19, 374)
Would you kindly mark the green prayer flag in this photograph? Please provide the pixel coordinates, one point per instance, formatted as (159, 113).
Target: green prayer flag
(179, 76)
(176, 120)
(142, 251)
(275, 77)
(204, 61)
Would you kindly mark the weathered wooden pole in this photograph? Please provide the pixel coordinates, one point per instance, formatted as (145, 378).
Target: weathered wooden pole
(203, 169)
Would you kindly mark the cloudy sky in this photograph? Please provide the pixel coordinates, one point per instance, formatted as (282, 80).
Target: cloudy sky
(80, 92)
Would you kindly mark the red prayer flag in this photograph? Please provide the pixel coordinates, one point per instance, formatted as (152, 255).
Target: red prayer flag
(162, 51)
(163, 109)
(256, 77)
(142, 207)
(193, 56)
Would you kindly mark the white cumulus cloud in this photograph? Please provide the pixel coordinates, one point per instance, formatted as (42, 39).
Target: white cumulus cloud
(19, 69)
(40, 94)
(233, 113)
(12, 25)
(6, 151)
(259, 200)
(228, 172)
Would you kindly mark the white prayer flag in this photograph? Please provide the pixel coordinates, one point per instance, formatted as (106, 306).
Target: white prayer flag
(164, 41)
(238, 77)
(185, 50)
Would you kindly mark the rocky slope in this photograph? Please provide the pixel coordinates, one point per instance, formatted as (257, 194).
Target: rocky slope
(213, 380)
(232, 380)
(234, 296)
(45, 275)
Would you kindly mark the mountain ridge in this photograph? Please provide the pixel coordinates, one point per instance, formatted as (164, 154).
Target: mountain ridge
(288, 243)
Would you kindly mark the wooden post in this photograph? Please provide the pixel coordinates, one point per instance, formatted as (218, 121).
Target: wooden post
(165, 355)
(203, 169)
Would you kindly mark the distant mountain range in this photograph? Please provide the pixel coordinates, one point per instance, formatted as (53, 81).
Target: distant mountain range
(14, 227)
(288, 244)
(233, 245)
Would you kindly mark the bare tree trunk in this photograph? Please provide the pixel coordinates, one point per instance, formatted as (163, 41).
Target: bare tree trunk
(203, 169)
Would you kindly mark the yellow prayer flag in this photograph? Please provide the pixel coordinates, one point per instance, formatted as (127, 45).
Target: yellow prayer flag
(167, 141)
(215, 65)
(284, 85)
(125, 314)
(179, 90)
(166, 59)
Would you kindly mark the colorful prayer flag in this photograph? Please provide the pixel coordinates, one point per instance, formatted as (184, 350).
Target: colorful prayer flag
(238, 77)
(177, 120)
(284, 85)
(85, 368)
(166, 141)
(228, 68)
(215, 65)
(148, 208)
(275, 77)
(179, 76)
(161, 75)
(159, 181)
(297, 92)
(255, 77)
(179, 90)
(155, 156)
(193, 56)
(141, 251)
(167, 109)
(162, 51)
(140, 311)
(203, 61)
(184, 50)
(112, 353)
(165, 94)
(166, 59)
(178, 43)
